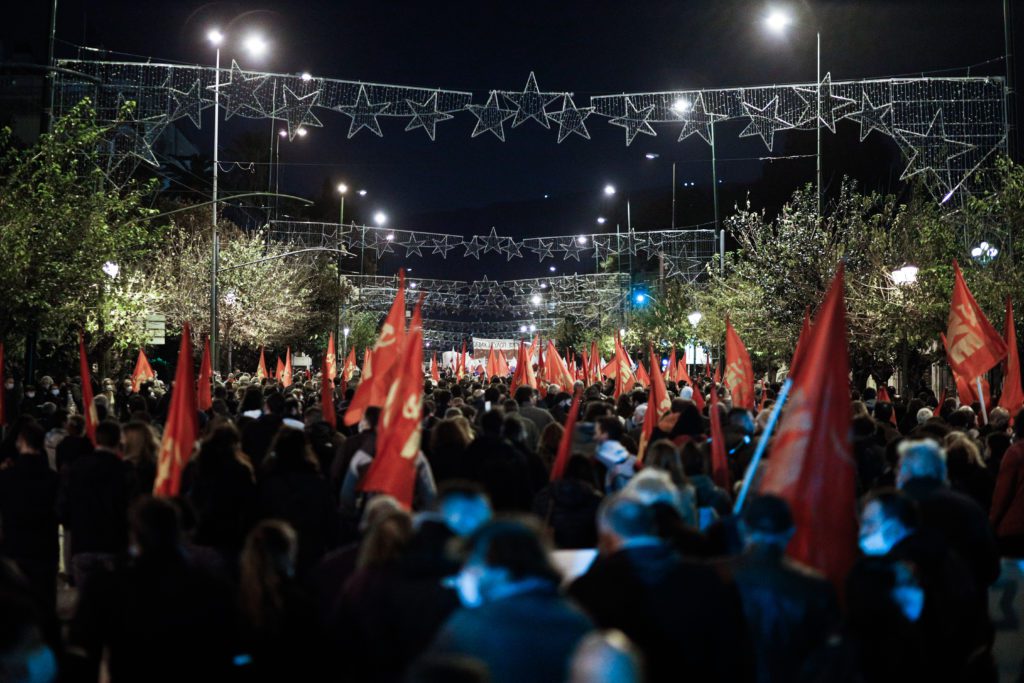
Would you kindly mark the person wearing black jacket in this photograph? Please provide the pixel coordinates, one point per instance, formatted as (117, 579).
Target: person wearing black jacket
(257, 435)
(94, 503)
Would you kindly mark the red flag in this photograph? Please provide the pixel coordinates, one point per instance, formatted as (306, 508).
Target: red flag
(503, 369)
(143, 372)
(565, 444)
(349, 368)
(3, 391)
(883, 396)
(286, 378)
(698, 398)
(719, 460)
(682, 374)
(393, 470)
(658, 405)
(204, 388)
(624, 377)
(261, 369)
(181, 429)
(327, 395)
(739, 372)
(1013, 397)
(460, 364)
(801, 342)
(967, 389)
(541, 368)
(492, 363)
(974, 345)
(641, 374)
(811, 463)
(280, 370)
(558, 373)
(373, 386)
(942, 399)
(520, 378)
(332, 358)
(435, 373)
(671, 373)
(88, 406)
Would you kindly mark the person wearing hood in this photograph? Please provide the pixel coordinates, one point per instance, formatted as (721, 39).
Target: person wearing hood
(619, 464)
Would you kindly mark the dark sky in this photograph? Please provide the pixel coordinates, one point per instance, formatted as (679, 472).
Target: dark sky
(584, 47)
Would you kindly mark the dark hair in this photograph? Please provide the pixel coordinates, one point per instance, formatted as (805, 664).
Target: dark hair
(291, 451)
(663, 455)
(769, 514)
(515, 544)
(33, 435)
(883, 411)
(579, 468)
(695, 460)
(448, 438)
(267, 559)
(156, 526)
(524, 393)
(689, 422)
(108, 434)
(252, 399)
(493, 421)
(372, 416)
(460, 488)
(611, 426)
(76, 425)
(275, 403)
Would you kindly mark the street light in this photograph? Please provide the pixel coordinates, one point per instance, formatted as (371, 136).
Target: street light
(535, 299)
(306, 76)
(601, 220)
(344, 344)
(552, 268)
(681, 106)
(907, 275)
(380, 218)
(361, 193)
(533, 328)
(111, 269)
(984, 252)
(256, 45)
(695, 318)
(609, 190)
(904, 277)
(302, 132)
(777, 20)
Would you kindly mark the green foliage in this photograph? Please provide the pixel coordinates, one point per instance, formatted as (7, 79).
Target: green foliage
(60, 221)
(363, 328)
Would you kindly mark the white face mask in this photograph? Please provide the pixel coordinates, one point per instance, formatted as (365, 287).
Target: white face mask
(55, 392)
(467, 585)
(910, 600)
(9, 385)
(876, 544)
(30, 394)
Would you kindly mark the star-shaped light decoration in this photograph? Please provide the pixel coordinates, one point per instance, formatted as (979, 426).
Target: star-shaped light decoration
(297, 111)
(414, 246)
(513, 249)
(764, 122)
(492, 242)
(830, 104)
(570, 119)
(635, 121)
(697, 119)
(441, 246)
(530, 103)
(932, 151)
(871, 117)
(187, 103)
(381, 244)
(572, 249)
(473, 247)
(363, 113)
(242, 94)
(426, 115)
(543, 249)
(490, 117)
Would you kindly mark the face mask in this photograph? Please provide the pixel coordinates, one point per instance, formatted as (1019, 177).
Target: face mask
(9, 385)
(41, 666)
(55, 392)
(467, 585)
(875, 544)
(910, 600)
(30, 394)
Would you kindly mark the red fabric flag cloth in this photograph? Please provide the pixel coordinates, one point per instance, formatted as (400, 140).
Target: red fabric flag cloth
(332, 358)
(503, 369)
(393, 470)
(373, 385)
(641, 374)
(624, 377)
(327, 396)
(811, 463)
(286, 378)
(460, 364)
(1013, 396)
(279, 373)
(519, 377)
(435, 372)
(557, 373)
(204, 388)
(883, 396)
(682, 374)
(542, 374)
(492, 364)
(565, 443)
(3, 392)
(967, 389)
(801, 342)
(88, 406)
(143, 372)
(739, 371)
(719, 460)
(974, 345)
(181, 429)
(942, 398)
(261, 369)
(698, 398)
(670, 369)
(349, 368)
(658, 405)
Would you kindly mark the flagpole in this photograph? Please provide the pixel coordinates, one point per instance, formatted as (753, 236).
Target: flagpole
(748, 477)
(981, 399)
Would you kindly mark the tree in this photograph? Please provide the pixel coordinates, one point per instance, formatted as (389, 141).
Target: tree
(61, 220)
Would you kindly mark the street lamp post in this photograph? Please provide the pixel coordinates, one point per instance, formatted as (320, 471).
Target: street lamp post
(215, 37)
(904, 277)
(695, 319)
(342, 190)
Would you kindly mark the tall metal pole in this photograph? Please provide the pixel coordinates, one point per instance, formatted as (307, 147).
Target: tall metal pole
(1010, 107)
(337, 245)
(50, 73)
(714, 174)
(215, 264)
(818, 90)
(673, 195)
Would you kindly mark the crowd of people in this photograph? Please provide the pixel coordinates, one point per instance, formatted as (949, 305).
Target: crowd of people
(273, 564)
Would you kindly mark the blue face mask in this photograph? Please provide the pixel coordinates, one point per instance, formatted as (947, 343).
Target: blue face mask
(877, 543)
(467, 585)
(40, 666)
(910, 600)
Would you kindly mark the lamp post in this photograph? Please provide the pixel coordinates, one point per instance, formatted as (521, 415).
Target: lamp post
(256, 46)
(904, 277)
(695, 319)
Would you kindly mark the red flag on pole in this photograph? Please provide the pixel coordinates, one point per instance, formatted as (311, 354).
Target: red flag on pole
(286, 378)
(143, 372)
(181, 429)
(682, 374)
(332, 358)
(460, 364)
(883, 396)
(966, 389)
(719, 460)
(88, 406)
(739, 372)
(811, 463)
(565, 444)
(801, 342)
(1013, 396)
(658, 405)
(279, 373)
(670, 369)
(204, 388)
(624, 377)
(393, 470)
(349, 368)
(327, 396)
(641, 374)
(974, 345)
(435, 372)
(373, 385)
(261, 369)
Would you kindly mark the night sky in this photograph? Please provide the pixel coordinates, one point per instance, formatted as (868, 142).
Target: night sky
(465, 185)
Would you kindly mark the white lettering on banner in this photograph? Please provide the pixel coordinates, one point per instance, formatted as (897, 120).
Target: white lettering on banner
(963, 340)
(482, 345)
(387, 336)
